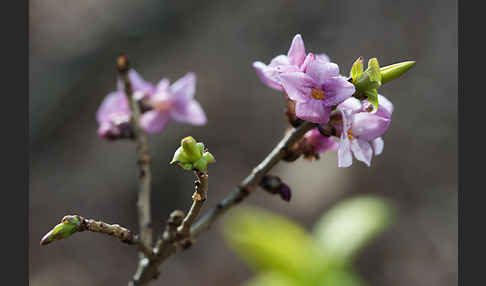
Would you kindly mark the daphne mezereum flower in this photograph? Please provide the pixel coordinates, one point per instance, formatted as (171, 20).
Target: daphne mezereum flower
(319, 142)
(316, 90)
(295, 60)
(174, 101)
(113, 116)
(163, 102)
(114, 113)
(361, 129)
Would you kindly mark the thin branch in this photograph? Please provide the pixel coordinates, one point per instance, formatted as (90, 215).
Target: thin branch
(253, 180)
(148, 269)
(80, 224)
(199, 198)
(171, 242)
(145, 176)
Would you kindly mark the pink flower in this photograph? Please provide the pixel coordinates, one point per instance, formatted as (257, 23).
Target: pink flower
(316, 90)
(295, 60)
(174, 101)
(159, 104)
(319, 142)
(113, 116)
(361, 130)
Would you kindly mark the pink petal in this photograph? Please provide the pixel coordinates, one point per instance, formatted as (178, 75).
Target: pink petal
(114, 104)
(296, 52)
(307, 61)
(378, 144)
(297, 85)
(154, 121)
(163, 85)
(362, 151)
(280, 60)
(313, 111)
(191, 112)
(268, 75)
(385, 103)
(185, 87)
(320, 142)
(323, 57)
(353, 104)
(321, 71)
(327, 144)
(104, 128)
(337, 89)
(138, 83)
(345, 158)
(368, 126)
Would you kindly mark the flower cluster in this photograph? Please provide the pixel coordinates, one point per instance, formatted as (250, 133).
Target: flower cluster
(351, 107)
(347, 109)
(159, 104)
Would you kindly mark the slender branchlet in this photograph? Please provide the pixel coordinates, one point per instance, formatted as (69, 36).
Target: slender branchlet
(145, 176)
(71, 224)
(174, 240)
(253, 180)
(198, 200)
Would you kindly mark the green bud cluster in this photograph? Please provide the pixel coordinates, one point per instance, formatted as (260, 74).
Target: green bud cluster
(192, 155)
(367, 82)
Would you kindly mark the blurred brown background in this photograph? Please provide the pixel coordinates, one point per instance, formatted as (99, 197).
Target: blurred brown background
(73, 46)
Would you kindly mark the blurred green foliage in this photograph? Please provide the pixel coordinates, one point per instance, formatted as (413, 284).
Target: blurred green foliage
(283, 253)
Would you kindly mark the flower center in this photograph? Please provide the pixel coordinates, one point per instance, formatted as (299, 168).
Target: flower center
(318, 94)
(162, 105)
(350, 135)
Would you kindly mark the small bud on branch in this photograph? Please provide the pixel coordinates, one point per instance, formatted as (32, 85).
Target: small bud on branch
(71, 224)
(192, 155)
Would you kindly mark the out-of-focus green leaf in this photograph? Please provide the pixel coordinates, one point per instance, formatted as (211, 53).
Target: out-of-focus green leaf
(268, 242)
(272, 279)
(339, 277)
(350, 225)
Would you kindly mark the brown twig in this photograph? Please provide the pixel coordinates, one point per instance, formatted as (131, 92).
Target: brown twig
(81, 224)
(252, 181)
(177, 241)
(199, 198)
(145, 177)
(167, 245)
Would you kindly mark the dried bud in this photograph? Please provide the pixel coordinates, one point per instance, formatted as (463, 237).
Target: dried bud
(290, 114)
(122, 64)
(285, 192)
(274, 185)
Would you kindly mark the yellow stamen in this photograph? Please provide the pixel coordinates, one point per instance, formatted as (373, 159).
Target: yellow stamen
(350, 136)
(318, 94)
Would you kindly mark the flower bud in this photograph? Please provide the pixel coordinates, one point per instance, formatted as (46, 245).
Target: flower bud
(192, 155)
(392, 72)
(192, 151)
(274, 185)
(68, 226)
